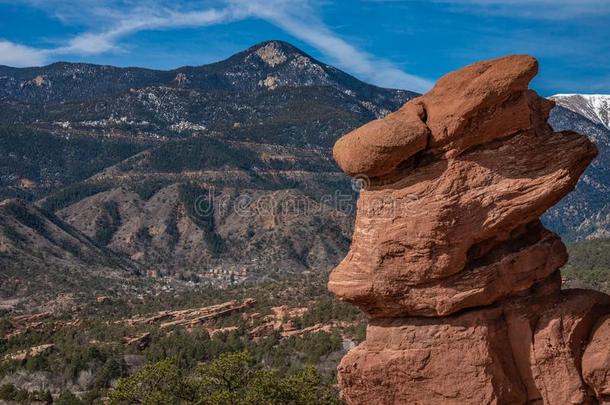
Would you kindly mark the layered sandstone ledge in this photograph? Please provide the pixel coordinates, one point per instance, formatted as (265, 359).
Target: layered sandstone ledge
(450, 261)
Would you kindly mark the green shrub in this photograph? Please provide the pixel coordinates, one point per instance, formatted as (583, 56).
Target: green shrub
(159, 383)
(231, 379)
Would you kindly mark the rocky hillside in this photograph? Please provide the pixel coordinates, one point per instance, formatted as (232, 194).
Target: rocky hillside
(594, 107)
(43, 257)
(95, 116)
(265, 66)
(215, 174)
(584, 213)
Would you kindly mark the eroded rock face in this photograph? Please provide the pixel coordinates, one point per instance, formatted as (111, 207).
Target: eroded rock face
(449, 258)
(596, 361)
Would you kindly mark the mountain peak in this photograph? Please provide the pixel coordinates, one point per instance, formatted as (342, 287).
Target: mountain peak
(275, 45)
(266, 66)
(275, 54)
(272, 54)
(272, 64)
(595, 107)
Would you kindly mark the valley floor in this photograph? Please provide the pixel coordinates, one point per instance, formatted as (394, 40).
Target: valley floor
(85, 351)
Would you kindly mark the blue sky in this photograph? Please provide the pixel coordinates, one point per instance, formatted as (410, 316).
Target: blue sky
(393, 43)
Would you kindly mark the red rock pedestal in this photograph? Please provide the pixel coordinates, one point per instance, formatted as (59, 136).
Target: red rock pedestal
(449, 259)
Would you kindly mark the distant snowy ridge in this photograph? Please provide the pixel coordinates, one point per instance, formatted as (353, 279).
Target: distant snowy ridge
(595, 107)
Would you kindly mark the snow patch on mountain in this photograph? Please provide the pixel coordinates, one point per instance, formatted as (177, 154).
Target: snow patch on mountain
(595, 107)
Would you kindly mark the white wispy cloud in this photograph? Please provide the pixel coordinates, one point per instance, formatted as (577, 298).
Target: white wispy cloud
(120, 20)
(105, 41)
(305, 25)
(20, 55)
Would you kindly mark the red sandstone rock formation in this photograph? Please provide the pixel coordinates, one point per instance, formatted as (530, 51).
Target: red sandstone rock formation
(449, 259)
(191, 317)
(31, 353)
(596, 359)
(141, 340)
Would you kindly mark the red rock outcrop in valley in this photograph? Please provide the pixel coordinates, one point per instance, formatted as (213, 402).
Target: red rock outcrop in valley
(449, 260)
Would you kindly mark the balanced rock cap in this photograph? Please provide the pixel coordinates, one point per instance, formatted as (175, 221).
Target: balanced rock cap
(473, 98)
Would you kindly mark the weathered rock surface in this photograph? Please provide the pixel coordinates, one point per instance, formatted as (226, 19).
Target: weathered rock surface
(141, 340)
(524, 350)
(596, 360)
(449, 258)
(31, 353)
(465, 198)
(189, 318)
